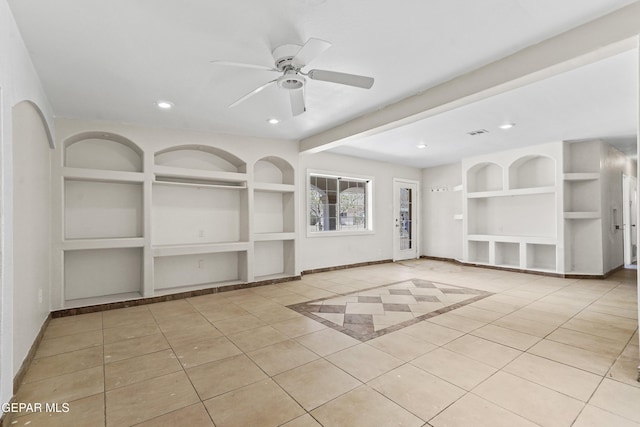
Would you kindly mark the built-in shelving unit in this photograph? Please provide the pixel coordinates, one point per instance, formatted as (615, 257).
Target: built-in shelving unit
(582, 202)
(140, 223)
(199, 217)
(102, 236)
(510, 205)
(274, 218)
(536, 208)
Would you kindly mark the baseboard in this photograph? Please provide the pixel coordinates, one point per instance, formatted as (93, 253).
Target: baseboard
(519, 270)
(163, 298)
(343, 267)
(613, 271)
(17, 379)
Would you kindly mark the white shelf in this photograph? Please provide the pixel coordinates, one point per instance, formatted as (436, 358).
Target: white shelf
(275, 188)
(584, 176)
(200, 184)
(83, 244)
(582, 215)
(199, 248)
(512, 239)
(267, 237)
(196, 174)
(510, 193)
(98, 175)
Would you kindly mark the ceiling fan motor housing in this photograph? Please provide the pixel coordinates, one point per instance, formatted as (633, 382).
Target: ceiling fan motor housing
(291, 80)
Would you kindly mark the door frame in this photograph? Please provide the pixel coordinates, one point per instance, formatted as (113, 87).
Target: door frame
(416, 221)
(629, 191)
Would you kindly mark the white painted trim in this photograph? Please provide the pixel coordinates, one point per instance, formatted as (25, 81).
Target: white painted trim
(338, 233)
(417, 224)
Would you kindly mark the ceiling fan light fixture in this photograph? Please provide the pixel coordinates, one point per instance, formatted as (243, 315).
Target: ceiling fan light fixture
(291, 81)
(164, 105)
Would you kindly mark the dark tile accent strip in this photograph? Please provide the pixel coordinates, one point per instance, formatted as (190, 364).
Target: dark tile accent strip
(366, 334)
(459, 291)
(396, 307)
(426, 298)
(422, 283)
(363, 319)
(180, 295)
(332, 309)
(399, 292)
(343, 267)
(373, 300)
(360, 328)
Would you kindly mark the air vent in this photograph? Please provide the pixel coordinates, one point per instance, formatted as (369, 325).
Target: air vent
(477, 132)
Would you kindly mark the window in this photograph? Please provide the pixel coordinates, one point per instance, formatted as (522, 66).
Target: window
(339, 203)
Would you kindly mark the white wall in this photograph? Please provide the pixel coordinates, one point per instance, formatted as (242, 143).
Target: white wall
(32, 216)
(333, 250)
(441, 233)
(18, 82)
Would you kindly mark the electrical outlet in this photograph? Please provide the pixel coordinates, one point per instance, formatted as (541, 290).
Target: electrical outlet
(40, 296)
(201, 233)
(200, 263)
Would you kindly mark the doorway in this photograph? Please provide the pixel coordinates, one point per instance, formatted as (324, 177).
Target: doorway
(405, 214)
(629, 215)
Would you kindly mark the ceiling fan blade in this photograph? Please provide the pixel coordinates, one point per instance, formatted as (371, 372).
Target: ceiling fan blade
(311, 49)
(253, 92)
(342, 78)
(297, 101)
(243, 65)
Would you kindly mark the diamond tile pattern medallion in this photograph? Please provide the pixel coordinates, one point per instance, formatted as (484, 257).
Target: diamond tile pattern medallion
(374, 312)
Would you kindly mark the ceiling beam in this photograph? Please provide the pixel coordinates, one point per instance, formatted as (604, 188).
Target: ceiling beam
(603, 37)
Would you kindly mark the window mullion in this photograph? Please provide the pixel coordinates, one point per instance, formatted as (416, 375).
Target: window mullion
(338, 207)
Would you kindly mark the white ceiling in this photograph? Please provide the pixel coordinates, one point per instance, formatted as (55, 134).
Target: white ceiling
(599, 100)
(111, 60)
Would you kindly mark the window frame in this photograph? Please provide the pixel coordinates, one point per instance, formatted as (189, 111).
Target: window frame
(369, 190)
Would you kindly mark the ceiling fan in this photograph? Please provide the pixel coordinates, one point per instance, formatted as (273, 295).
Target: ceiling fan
(290, 59)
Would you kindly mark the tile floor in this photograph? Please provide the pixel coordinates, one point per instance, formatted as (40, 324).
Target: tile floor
(372, 313)
(538, 351)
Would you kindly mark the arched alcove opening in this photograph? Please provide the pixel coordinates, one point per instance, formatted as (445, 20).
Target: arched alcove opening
(31, 146)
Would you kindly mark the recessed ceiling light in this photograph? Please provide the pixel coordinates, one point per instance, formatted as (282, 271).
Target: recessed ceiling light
(273, 121)
(507, 126)
(165, 105)
(423, 145)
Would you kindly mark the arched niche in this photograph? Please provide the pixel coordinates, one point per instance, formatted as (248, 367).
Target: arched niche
(31, 206)
(200, 157)
(45, 123)
(102, 150)
(532, 171)
(273, 170)
(485, 176)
